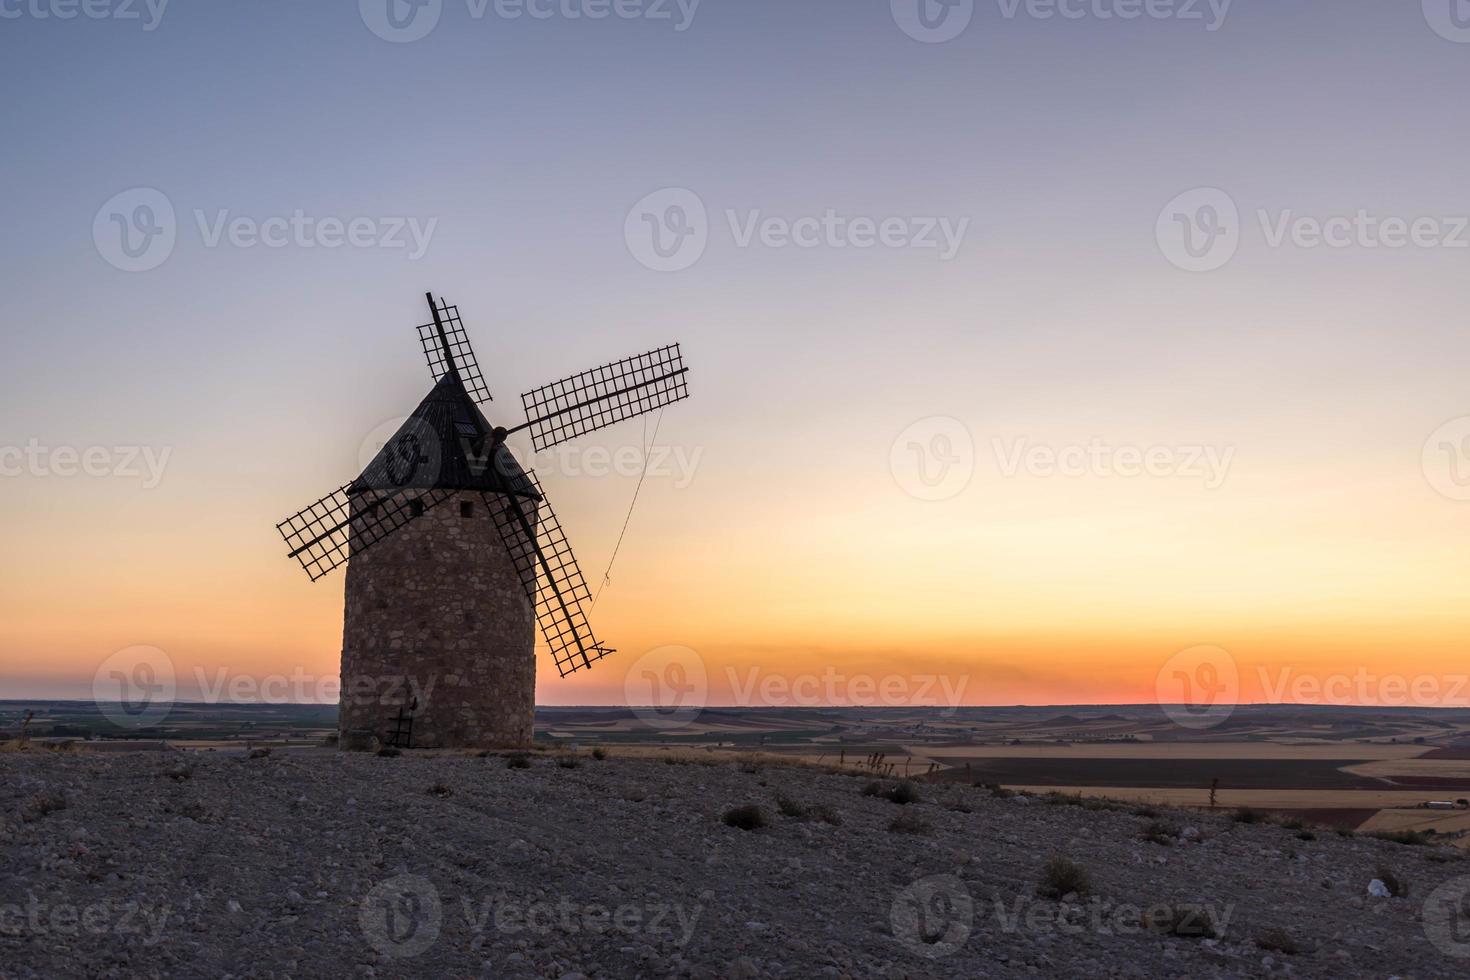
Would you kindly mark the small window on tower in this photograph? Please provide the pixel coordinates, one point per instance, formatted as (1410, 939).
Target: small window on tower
(416, 508)
(466, 508)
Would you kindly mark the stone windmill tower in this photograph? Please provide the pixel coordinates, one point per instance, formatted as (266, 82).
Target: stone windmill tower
(456, 556)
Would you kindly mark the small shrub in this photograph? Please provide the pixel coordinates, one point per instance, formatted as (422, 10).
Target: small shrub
(1160, 832)
(1001, 793)
(1305, 835)
(749, 817)
(903, 794)
(1063, 876)
(568, 762)
(389, 752)
(440, 790)
(910, 823)
(1397, 887)
(44, 805)
(827, 815)
(1246, 815)
(599, 753)
(874, 788)
(1278, 940)
(1147, 812)
(518, 761)
(261, 753)
(1293, 824)
(1184, 921)
(791, 808)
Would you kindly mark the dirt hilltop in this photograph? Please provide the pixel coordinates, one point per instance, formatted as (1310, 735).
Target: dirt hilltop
(319, 863)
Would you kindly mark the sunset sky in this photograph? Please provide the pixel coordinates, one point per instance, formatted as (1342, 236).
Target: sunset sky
(785, 530)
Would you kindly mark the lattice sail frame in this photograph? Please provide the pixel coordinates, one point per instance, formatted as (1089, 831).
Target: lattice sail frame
(323, 536)
(551, 577)
(605, 395)
(459, 347)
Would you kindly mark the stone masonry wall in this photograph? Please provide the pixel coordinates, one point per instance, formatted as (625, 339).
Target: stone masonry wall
(437, 611)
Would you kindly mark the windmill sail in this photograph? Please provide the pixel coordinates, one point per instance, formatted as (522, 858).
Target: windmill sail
(323, 536)
(460, 351)
(550, 575)
(603, 396)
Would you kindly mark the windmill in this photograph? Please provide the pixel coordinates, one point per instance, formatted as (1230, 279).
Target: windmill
(454, 556)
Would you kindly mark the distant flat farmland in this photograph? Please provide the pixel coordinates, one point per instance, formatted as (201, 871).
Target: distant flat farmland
(1167, 772)
(1351, 751)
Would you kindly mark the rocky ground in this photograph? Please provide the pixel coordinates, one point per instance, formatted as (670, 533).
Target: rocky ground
(333, 864)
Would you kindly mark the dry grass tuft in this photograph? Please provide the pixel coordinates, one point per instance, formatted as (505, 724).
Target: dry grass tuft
(1062, 876)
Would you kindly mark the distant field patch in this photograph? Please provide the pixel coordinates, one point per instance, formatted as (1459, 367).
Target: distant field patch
(1166, 772)
(1353, 752)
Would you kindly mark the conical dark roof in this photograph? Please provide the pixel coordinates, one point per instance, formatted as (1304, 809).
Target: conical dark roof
(445, 445)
